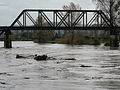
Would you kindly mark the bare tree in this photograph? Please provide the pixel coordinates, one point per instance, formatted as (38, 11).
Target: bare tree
(75, 15)
(111, 8)
(117, 12)
(73, 6)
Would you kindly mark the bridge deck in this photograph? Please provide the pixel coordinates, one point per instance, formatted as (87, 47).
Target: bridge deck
(57, 28)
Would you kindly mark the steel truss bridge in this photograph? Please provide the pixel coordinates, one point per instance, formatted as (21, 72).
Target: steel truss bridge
(61, 20)
(37, 19)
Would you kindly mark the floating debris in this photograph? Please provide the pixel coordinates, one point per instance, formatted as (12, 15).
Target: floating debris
(97, 77)
(26, 77)
(59, 62)
(2, 82)
(70, 59)
(4, 73)
(39, 58)
(85, 66)
(20, 56)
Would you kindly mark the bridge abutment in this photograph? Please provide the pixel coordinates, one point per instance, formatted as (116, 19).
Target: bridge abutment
(7, 39)
(114, 39)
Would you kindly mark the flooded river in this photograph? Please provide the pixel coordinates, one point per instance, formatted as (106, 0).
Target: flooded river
(29, 74)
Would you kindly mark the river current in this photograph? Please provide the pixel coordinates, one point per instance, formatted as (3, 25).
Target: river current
(29, 74)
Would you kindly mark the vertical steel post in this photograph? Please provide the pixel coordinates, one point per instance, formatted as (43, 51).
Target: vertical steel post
(98, 19)
(68, 19)
(71, 19)
(83, 20)
(86, 19)
(24, 19)
(54, 18)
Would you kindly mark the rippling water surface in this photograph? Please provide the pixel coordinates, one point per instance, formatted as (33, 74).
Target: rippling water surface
(28, 74)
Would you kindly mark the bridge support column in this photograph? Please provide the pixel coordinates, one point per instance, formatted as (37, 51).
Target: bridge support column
(114, 39)
(7, 39)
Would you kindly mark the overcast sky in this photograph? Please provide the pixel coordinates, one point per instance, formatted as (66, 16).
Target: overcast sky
(10, 9)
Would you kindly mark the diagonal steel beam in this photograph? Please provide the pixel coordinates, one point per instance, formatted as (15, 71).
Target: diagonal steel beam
(64, 18)
(47, 19)
(20, 24)
(31, 18)
(77, 20)
(17, 18)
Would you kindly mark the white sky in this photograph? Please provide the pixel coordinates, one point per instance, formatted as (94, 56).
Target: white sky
(10, 9)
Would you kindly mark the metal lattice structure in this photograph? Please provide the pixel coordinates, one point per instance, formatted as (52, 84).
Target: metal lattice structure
(32, 19)
(61, 20)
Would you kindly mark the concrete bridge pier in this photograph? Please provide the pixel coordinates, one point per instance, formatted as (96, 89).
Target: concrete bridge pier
(7, 39)
(114, 39)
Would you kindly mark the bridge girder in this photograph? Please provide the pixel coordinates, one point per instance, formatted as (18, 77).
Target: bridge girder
(60, 20)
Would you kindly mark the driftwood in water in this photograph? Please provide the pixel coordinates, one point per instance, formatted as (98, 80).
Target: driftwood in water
(42, 57)
(85, 66)
(70, 59)
(20, 56)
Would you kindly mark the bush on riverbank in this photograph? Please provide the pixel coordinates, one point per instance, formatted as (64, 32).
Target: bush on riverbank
(77, 39)
(43, 36)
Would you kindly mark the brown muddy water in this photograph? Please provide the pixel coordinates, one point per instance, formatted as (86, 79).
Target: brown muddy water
(29, 74)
